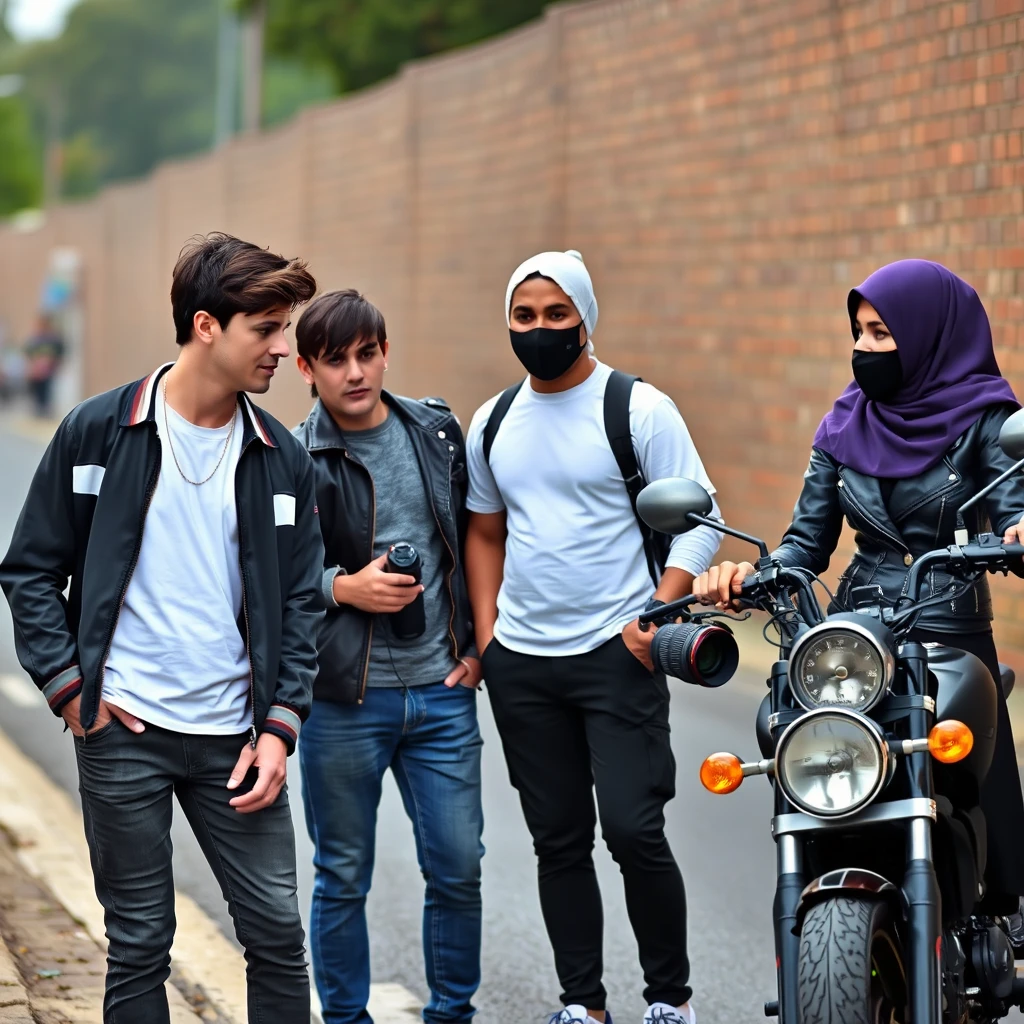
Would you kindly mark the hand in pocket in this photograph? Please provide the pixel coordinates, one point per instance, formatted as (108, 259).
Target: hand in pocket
(638, 643)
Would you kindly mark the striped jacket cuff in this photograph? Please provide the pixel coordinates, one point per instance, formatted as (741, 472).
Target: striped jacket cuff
(284, 723)
(63, 688)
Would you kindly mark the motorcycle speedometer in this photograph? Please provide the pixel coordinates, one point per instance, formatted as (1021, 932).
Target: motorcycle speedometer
(841, 664)
(831, 762)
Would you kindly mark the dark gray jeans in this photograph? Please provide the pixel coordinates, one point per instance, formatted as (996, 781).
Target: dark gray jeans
(127, 782)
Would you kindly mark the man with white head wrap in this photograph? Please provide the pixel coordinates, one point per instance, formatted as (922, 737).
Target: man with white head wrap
(558, 572)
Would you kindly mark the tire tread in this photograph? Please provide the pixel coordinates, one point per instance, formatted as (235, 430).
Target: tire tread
(835, 961)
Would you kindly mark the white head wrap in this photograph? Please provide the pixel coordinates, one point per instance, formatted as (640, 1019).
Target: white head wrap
(569, 272)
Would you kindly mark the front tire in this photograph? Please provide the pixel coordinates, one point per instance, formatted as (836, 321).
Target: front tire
(851, 966)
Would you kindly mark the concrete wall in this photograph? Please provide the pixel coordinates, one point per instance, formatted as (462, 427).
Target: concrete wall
(729, 168)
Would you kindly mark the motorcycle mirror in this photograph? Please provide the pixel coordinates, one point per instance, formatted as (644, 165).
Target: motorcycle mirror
(665, 505)
(1011, 437)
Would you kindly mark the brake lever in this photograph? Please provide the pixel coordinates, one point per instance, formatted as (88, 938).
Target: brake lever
(699, 617)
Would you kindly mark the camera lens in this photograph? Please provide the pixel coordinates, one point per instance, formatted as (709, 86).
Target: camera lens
(702, 655)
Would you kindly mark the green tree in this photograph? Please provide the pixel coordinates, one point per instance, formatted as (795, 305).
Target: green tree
(20, 163)
(363, 41)
(134, 77)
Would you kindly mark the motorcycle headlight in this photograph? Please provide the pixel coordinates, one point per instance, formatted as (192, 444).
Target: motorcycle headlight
(831, 763)
(848, 664)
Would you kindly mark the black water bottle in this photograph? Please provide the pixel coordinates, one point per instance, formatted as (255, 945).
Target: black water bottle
(410, 622)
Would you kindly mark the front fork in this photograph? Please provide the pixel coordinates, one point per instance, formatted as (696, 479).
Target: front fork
(923, 932)
(789, 857)
(921, 898)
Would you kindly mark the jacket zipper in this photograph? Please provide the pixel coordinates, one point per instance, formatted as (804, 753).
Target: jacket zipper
(373, 536)
(150, 491)
(451, 554)
(245, 604)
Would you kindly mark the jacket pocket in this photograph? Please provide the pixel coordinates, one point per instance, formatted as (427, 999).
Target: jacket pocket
(341, 654)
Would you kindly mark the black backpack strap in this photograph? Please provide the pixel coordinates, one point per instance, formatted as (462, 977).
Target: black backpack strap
(616, 424)
(501, 408)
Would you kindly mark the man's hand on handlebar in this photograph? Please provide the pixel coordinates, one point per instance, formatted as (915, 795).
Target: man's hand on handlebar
(721, 584)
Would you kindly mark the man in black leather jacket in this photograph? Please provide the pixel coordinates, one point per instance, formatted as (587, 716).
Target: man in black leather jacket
(389, 471)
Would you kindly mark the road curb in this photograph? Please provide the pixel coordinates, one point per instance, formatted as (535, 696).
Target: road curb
(13, 997)
(47, 829)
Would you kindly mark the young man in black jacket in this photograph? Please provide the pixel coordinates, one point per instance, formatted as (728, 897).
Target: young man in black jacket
(389, 471)
(182, 659)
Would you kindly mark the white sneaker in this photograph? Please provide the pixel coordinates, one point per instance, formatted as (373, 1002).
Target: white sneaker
(662, 1013)
(576, 1014)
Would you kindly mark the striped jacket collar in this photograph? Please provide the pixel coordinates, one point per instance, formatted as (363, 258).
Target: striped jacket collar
(141, 408)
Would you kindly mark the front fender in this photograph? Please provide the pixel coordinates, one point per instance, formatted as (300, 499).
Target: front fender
(848, 881)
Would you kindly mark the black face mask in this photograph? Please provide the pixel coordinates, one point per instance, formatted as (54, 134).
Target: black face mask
(547, 352)
(878, 374)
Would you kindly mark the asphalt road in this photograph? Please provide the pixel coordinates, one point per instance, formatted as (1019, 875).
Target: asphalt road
(723, 845)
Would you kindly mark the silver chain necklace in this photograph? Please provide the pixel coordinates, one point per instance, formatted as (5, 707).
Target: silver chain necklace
(174, 455)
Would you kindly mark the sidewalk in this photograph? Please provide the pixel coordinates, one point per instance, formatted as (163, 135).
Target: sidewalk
(52, 947)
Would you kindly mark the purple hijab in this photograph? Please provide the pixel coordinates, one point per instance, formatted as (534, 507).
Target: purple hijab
(950, 374)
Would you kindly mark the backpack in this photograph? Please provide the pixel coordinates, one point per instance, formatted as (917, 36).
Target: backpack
(616, 425)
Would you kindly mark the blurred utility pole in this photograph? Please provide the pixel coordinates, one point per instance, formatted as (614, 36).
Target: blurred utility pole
(252, 65)
(53, 155)
(227, 74)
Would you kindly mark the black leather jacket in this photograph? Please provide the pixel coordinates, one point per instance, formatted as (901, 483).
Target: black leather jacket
(919, 515)
(344, 492)
(83, 521)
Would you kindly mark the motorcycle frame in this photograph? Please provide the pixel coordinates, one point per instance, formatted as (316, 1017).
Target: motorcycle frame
(920, 898)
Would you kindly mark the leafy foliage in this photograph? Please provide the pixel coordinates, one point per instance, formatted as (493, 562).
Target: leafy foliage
(136, 77)
(130, 83)
(363, 41)
(20, 160)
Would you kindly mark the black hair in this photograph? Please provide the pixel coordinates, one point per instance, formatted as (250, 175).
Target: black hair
(336, 320)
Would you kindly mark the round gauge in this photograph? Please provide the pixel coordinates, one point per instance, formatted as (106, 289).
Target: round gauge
(839, 666)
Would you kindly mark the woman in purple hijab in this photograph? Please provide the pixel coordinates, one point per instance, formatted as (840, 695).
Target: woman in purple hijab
(910, 440)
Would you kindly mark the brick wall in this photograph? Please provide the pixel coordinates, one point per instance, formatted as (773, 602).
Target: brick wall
(729, 168)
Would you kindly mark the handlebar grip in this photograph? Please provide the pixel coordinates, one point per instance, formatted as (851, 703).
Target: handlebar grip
(747, 590)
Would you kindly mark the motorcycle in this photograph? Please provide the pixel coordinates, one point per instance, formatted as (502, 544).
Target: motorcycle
(876, 747)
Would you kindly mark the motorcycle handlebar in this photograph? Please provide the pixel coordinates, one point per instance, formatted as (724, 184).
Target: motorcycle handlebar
(986, 552)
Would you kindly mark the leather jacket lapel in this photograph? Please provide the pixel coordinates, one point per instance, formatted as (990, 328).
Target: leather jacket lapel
(865, 493)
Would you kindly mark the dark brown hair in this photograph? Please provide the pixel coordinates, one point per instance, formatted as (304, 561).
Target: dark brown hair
(335, 320)
(222, 275)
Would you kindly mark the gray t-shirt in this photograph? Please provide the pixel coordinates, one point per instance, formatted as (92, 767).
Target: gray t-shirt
(404, 513)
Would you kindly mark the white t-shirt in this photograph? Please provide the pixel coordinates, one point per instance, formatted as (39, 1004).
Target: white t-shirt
(178, 659)
(575, 570)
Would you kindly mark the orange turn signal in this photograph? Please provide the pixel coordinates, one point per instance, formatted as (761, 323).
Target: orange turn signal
(950, 741)
(721, 773)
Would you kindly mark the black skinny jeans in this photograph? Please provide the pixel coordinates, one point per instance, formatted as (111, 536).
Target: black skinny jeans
(570, 725)
(128, 782)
